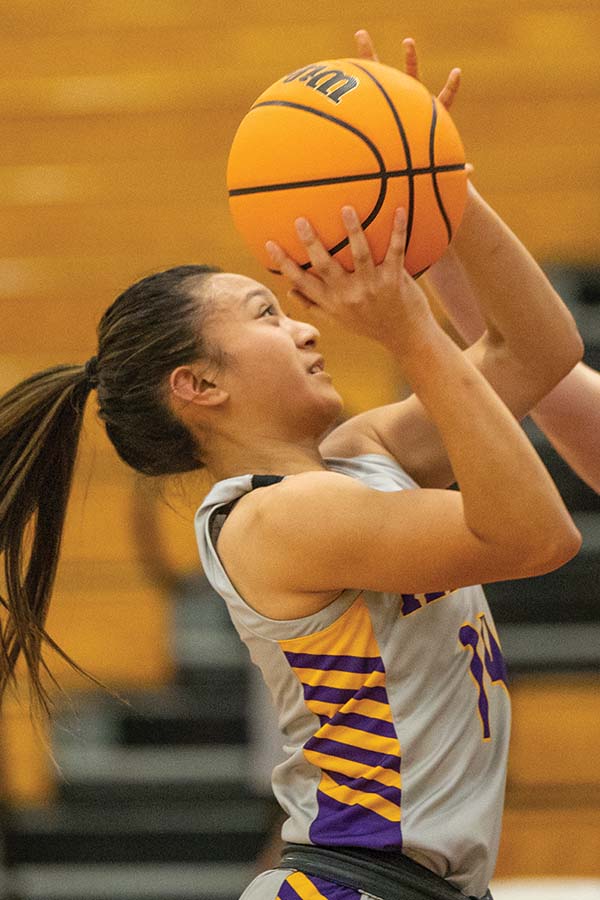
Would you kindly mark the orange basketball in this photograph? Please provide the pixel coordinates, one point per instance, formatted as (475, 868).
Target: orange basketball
(347, 132)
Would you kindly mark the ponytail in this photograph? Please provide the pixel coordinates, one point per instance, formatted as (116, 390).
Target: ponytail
(40, 424)
(152, 327)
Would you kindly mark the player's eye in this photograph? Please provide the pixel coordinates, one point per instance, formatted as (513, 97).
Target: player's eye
(269, 311)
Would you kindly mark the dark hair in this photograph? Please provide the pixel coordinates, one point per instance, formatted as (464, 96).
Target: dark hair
(150, 329)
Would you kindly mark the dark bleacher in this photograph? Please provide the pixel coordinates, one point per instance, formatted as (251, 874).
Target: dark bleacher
(553, 622)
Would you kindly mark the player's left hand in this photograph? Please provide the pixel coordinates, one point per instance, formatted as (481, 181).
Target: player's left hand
(366, 50)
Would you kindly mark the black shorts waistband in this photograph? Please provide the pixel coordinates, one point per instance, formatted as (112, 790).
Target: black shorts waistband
(386, 876)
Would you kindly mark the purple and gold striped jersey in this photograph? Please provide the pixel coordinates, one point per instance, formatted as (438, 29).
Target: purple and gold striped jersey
(393, 707)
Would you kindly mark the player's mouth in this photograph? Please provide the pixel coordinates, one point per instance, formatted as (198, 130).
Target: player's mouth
(318, 366)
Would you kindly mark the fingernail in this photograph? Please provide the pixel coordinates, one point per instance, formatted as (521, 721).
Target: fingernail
(400, 217)
(303, 228)
(349, 216)
(271, 248)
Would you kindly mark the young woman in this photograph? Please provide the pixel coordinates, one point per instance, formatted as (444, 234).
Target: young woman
(347, 566)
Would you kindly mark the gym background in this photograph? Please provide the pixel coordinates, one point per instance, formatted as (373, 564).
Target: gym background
(115, 124)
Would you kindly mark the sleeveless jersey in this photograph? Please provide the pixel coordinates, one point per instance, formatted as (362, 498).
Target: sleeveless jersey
(394, 708)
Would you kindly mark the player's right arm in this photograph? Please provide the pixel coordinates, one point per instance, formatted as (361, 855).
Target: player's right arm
(320, 532)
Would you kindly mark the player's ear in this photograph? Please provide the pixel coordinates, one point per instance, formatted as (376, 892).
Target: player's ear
(191, 386)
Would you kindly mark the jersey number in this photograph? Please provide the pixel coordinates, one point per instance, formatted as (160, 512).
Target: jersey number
(471, 637)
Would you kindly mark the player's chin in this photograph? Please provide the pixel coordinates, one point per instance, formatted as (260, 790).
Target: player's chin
(329, 402)
(322, 383)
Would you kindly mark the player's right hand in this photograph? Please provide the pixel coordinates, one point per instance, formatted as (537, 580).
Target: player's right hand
(378, 301)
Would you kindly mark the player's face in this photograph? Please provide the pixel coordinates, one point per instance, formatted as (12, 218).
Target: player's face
(273, 368)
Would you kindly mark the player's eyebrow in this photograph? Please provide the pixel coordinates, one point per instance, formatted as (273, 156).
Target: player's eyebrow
(257, 292)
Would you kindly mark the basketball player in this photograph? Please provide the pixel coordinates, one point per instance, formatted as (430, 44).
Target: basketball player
(347, 567)
(570, 414)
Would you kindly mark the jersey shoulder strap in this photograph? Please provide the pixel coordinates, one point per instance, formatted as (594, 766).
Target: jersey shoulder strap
(219, 516)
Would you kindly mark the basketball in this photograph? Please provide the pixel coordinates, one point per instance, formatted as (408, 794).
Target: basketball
(347, 132)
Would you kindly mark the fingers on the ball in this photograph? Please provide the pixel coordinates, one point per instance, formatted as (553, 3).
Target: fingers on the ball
(411, 62)
(275, 252)
(287, 266)
(359, 246)
(366, 49)
(282, 261)
(450, 89)
(397, 245)
(320, 259)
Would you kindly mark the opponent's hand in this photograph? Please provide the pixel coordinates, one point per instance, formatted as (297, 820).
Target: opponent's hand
(379, 301)
(366, 50)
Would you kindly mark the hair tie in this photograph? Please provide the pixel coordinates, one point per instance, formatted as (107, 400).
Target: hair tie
(91, 372)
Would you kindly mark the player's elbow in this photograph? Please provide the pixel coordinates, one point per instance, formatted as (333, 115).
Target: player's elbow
(556, 365)
(570, 353)
(552, 551)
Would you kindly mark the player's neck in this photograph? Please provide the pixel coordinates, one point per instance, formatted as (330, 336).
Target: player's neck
(276, 458)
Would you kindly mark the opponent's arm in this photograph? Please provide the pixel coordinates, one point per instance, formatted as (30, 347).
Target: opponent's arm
(570, 418)
(321, 531)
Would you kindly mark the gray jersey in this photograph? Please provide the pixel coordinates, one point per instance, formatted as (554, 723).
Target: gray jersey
(394, 709)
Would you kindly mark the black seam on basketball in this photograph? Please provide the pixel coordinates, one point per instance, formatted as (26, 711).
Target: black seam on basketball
(314, 182)
(436, 188)
(343, 179)
(383, 188)
(406, 146)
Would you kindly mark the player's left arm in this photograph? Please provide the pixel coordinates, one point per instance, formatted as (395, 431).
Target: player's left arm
(529, 343)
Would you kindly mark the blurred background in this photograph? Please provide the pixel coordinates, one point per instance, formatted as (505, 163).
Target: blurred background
(115, 124)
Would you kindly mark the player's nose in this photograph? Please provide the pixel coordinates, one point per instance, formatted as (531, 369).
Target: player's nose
(305, 334)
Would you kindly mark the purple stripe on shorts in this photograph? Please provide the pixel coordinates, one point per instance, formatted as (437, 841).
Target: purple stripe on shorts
(369, 758)
(363, 664)
(340, 825)
(394, 795)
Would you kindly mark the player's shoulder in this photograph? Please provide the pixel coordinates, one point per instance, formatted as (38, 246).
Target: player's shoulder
(288, 505)
(298, 491)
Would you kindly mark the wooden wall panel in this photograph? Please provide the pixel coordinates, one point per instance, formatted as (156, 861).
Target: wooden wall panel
(552, 815)
(560, 716)
(560, 842)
